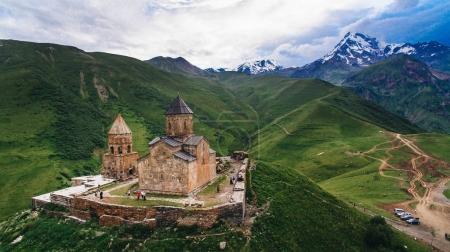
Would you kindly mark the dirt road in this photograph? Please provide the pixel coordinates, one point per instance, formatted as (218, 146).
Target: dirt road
(432, 207)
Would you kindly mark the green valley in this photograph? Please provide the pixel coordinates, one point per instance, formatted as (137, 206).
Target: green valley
(316, 150)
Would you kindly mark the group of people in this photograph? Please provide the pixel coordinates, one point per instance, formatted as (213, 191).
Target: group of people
(139, 195)
(99, 193)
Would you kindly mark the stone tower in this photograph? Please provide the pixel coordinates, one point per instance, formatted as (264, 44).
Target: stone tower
(120, 161)
(179, 122)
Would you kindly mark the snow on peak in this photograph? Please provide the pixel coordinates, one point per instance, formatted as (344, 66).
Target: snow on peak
(258, 66)
(405, 48)
(355, 49)
(358, 49)
(218, 69)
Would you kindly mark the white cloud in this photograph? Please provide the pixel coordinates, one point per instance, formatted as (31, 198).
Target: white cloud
(206, 32)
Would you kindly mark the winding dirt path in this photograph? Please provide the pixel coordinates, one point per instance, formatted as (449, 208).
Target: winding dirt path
(432, 208)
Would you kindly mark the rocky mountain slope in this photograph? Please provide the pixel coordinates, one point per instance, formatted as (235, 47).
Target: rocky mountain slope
(434, 54)
(176, 65)
(251, 67)
(357, 51)
(408, 87)
(354, 52)
(258, 67)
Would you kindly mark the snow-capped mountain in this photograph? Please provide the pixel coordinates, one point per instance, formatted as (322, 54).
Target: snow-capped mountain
(353, 52)
(355, 49)
(258, 66)
(431, 53)
(217, 70)
(358, 49)
(250, 67)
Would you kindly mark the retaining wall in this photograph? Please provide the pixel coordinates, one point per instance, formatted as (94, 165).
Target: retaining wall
(111, 214)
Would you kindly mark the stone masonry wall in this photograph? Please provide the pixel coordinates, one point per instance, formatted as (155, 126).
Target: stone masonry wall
(110, 214)
(162, 173)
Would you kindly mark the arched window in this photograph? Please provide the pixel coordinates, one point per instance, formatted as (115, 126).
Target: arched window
(120, 149)
(185, 125)
(170, 126)
(129, 149)
(111, 149)
(161, 177)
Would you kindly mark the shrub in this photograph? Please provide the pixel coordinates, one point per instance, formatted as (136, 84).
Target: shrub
(137, 231)
(378, 233)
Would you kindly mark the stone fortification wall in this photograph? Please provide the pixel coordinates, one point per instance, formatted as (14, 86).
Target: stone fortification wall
(110, 214)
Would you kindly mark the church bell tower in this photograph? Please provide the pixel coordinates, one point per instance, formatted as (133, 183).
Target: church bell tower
(120, 161)
(179, 119)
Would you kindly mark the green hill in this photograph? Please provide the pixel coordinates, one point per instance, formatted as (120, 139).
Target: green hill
(59, 102)
(407, 87)
(314, 127)
(177, 65)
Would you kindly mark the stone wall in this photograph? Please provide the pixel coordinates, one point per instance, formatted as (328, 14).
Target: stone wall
(121, 166)
(205, 165)
(160, 172)
(110, 214)
(60, 199)
(163, 173)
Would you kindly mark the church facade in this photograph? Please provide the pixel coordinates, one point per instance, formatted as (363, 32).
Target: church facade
(178, 162)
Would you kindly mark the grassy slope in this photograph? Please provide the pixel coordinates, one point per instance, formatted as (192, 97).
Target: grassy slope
(317, 127)
(52, 120)
(447, 193)
(435, 144)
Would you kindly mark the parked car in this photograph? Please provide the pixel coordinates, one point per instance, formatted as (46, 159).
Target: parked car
(406, 217)
(398, 214)
(413, 221)
(404, 213)
(398, 210)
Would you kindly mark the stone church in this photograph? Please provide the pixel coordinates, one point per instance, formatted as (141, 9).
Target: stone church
(177, 163)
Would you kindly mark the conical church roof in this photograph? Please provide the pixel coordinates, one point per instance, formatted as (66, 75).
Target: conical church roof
(119, 127)
(178, 106)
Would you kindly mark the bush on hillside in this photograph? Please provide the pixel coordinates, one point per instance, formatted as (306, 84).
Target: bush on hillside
(137, 231)
(378, 234)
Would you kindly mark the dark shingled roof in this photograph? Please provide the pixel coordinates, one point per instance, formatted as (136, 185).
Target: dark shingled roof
(178, 106)
(193, 140)
(168, 140)
(155, 140)
(185, 156)
(171, 141)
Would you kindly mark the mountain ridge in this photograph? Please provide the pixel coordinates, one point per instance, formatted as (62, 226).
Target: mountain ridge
(176, 65)
(357, 50)
(404, 85)
(351, 54)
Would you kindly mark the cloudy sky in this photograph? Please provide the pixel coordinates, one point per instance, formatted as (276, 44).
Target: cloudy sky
(221, 32)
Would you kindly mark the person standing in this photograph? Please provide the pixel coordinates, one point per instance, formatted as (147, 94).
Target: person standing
(101, 195)
(143, 196)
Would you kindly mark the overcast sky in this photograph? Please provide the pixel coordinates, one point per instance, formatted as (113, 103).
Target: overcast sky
(222, 32)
